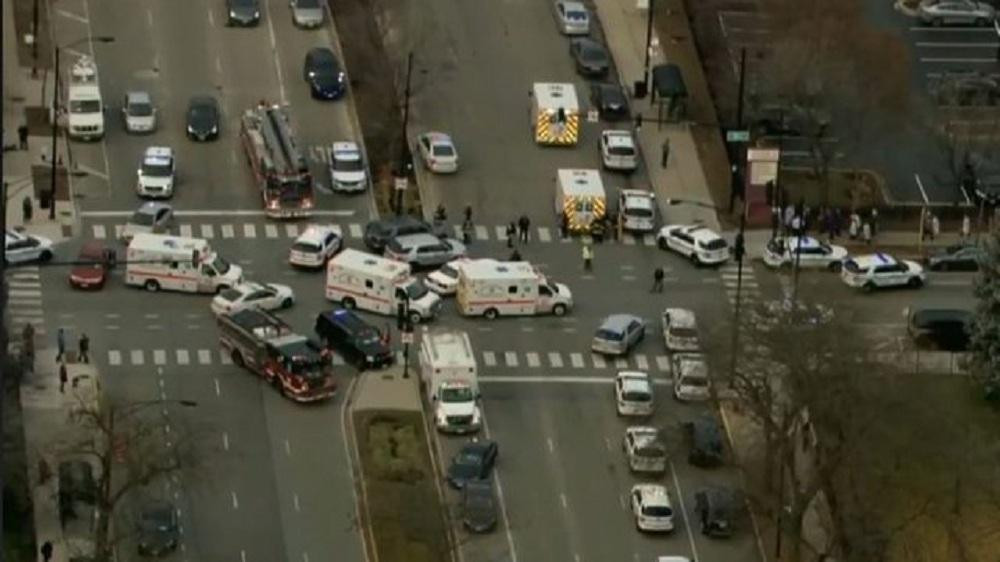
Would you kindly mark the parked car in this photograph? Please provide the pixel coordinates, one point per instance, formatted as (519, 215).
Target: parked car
(357, 341)
(879, 270)
(572, 17)
(590, 57)
(424, 250)
(438, 152)
(652, 508)
(307, 13)
(316, 245)
(946, 329)
(618, 334)
(610, 100)
(473, 462)
(139, 112)
(379, 232)
(633, 394)
(700, 244)
(444, 280)
(24, 248)
(244, 13)
(348, 172)
(960, 12)
(959, 257)
(159, 532)
(705, 441)
(812, 253)
(479, 506)
(203, 118)
(265, 296)
(715, 510)
(618, 151)
(151, 217)
(324, 74)
(94, 263)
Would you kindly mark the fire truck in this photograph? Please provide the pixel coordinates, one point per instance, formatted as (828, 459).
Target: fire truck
(279, 167)
(262, 343)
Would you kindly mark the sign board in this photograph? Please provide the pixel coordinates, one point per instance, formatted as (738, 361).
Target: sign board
(592, 116)
(642, 4)
(737, 136)
(401, 184)
(407, 337)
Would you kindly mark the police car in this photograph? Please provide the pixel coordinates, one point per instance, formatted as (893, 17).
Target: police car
(633, 393)
(444, 280)
(265, 296)
(700, 244)
(811, 253)
(876, 271)
(652, 508)
(347, 167)
(22, 248)
(636, 210)
(316, 245)
(156, 173)
(618, 150)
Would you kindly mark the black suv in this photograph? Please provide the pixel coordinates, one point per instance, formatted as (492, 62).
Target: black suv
(715, 508)
(706, 441)
(378, 233)
(357, 341)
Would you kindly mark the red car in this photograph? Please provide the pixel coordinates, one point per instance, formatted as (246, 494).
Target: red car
(93, 264)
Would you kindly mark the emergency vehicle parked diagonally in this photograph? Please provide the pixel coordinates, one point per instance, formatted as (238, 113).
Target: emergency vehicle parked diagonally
(156, 261)
(555, 114)
(360, 280)
(263, 344)
(279, 167)
(491, 288)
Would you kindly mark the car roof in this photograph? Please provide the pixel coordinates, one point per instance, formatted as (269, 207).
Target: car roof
(802, 242)
(346, 148)
(138, 96)
(616, 137)
(317, 232)
(869, 260)
(653, 494)
(478, 446)
(418, 239)
(692, 364)
(636, 199)
(700, 232)
(437, 137)
(618, 322)
(397, 221)
(347, 318)
(248, 287)
(158, 152)
(627, 376)
(570, 5)
(680, 317)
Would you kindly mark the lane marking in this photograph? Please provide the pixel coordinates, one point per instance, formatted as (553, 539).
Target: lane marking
(236, 505)
(976, 60)
(482, 233)
(204, 357)
(211, 18)
(216, 213)
(663, 362)
(274, 49)
(945, 45)
(510, 358)
(291, 230)
(680, 499)
(555, 360)
(72, 16)
(489, 358)
(225, 441)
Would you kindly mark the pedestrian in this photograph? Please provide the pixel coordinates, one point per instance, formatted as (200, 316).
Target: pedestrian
(789, 215)
(838, 222)
(468, 213)
(46, 551)
(61, 343)
(511, 233)
(26, 208)
(665, 153)
(588, 257)
(564, 225)
(657, 280)
(467, 230)
(84, 348)
(866, 233)
(439, 214)
(63, 377)
(797, 225)
(935, 227)
(854, 226)
(22, 136)
(775, 218)
(874, 221)
(966, 227)
(28, 342)
(925, 227)
(523, 224)
(515, 255)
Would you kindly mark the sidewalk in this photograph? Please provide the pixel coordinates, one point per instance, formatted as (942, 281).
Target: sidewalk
(684, 177)
(901, 244)
(20, 92)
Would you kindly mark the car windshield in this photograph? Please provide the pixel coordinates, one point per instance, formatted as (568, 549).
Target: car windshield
(657, 511)
(716, 244)
(621, 151)
(443, 150)
(202, 112)
(469, 459)
(140, 109)
(142, 219)
(684, 333)
(347, 165)
(610, 335)
(641, 213)
(448, 271)
(637, 396)
(416, 290)
(156, 169)
(694, 381)
(324, 69)
(306, 247)
(592, 53)
(576, 15)
(84, 106)
(852, 267)
(230, 295)
(307, 4)
(221, 266)
(457, 395)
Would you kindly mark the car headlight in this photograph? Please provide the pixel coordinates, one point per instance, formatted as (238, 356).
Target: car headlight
(340, 78)
(215, 129)
(232, 14)
(256, 14)
(370, 358)
(191, 129)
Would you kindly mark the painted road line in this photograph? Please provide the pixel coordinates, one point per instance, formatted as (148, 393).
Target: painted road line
(641, 363)
(961, 60)
(663, 362)
(216, 213)
(249, 230)
(598, 361)
(114, 357)
(137, 357)
(119, 230)
(621, 363)
(270, 231)
(228, 231)
(544, 235)
(489, 358)
(183, 357)
(292, 230)
(482, 233)
(533, 359)
(501, 232)
(204, 357)
(510, 358)
(185, 230)
(561, 379)
(224, 357)
(355, 230)
(576, 359)
(207, 231)
(159, 357)
(555, 360)
(99, 232)
(25, 293)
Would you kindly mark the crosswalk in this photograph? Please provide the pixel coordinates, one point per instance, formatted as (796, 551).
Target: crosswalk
(25, 299)
(747, 285)
(355, 230)
(492, 360)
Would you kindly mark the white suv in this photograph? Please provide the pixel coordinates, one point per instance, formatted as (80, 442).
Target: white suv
(694, 241)
(156, 173)
(316, 245)
(347, 167)
(876, 271)
(637, 210)
(633, 393)
(618, 150)
(811, 253)
(690, 374)
(652, 508)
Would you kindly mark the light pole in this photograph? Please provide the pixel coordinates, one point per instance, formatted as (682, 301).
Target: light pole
(649, 40)
(402, 171)
(55, 114)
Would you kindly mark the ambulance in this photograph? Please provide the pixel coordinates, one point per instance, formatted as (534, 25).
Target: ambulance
(494, 288)
(358, 279)
(555, 114)
(580, 198)
(173, 263)
(85, 107)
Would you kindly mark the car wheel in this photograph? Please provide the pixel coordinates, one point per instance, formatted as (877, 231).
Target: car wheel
(662, 243)
(348, 303)
(915, 282)
(835, 267)
(868, 287)
(694, 259)
(937, 22)
(152, 285)
(46, 255)
(415, 317)
(559, 309)
(491, 313)
(287, 303)
(237, 358)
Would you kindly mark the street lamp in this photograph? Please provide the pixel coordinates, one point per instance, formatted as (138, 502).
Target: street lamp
(649, 40)
(403, 172)
(55, 114)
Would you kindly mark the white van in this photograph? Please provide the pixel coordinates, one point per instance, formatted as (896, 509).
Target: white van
(580, 198)
(361, 280)
(173, 263)
(85, 107)
(493, 288)
(448, 371)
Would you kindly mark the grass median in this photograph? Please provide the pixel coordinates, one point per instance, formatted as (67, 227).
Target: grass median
(404, 513)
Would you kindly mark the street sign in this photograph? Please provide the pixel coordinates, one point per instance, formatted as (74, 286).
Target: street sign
(407, 337)
(593, 116)
(737, 136)
(401, 184)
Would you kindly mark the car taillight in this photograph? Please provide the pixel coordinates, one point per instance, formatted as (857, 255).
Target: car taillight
(307, 203)
(272, 204)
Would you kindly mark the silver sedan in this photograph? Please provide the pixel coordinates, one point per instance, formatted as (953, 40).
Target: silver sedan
(961, 12)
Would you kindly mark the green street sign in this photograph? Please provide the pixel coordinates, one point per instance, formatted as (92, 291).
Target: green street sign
(737, 136)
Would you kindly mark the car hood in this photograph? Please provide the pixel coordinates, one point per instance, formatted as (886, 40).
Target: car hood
(457, 408)
(156, 181)
(87, 272)
(201, 123)
(247, 12)
(349, 177)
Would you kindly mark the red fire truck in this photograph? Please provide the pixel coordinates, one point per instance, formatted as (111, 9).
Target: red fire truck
(264, 344)
(279, 167)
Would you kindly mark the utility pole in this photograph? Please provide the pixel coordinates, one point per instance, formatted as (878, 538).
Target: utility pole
(55, 133)
(649, 44)
(34, 39)
(401, 172)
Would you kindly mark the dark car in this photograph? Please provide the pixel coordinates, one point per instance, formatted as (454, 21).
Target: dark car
(203, 118)
(705, 440)
(591, 58)
(324, 74)
(474, 462)
(946, 329)
(610, 101)
(960, 257)
(242, 12)
(94, 262)
(479, 506)
(158, 529)
(379, 232)
(715, 509)
(357, 341)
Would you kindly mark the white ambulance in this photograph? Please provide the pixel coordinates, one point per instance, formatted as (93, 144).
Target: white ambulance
(555, 114)
(580, 198)
(358, 279)
(495, 288)
(448, 371)
(173, 263)
(85, 107)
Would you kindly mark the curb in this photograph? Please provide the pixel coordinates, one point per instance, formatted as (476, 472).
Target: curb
(902, 8)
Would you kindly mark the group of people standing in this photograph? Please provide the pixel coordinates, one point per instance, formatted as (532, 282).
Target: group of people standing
(797, 220)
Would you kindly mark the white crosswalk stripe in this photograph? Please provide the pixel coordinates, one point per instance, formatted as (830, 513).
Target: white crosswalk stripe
(555, 360)
(598, 361)
(510, 358)
(249, 230)
(482, 233)
(99, 232)
(159, 357)
(185, 230)
(183, 358)
(628, 240)
(270, 231)
(663, 362)
(204, 357)
(533, 360)
(641, 363)
(501, 232)
(228, 231)
(337, 359)
(292, 230)
(119, 230)
(489, 358)
(207, 231)
(355, 230)
(137, 357)
(576, 359)
(224, 357)
(621, 363)
(544, 235)
(114, 357)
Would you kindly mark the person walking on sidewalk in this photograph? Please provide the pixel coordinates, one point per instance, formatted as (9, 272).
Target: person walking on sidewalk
(657, 280)
(523, 224)
(966, 227)
(63, 377)
(46, 551)
(588, 257)
(866, 233)
(26, 209)
(61, 343)
(28, 344)
(22, 136)
(84, 348)
(511, 233)
(468, 213)
(665, 153)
